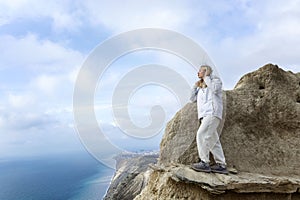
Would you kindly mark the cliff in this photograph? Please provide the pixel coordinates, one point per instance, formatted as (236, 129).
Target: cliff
(131, 176)
(260, 138)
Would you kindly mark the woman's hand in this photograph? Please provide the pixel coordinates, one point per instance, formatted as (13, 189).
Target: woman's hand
(208, 71)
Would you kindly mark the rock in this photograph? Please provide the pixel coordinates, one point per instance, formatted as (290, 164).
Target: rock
(179, 141)
(131, 176)
(181, 182)
(261, 132)
(260, 138)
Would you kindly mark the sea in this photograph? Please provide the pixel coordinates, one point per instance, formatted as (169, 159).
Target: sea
(72, 176)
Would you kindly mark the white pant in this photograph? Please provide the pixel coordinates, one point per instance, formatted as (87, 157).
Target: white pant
(208, 140)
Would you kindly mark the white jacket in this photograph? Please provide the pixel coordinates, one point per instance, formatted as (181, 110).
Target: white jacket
(209, 99)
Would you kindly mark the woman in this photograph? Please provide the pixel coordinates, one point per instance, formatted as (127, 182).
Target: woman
(208, 94)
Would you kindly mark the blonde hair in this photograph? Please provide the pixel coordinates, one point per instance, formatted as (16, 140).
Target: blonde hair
(201, 83)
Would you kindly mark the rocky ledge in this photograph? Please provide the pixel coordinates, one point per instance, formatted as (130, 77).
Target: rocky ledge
(181, 182)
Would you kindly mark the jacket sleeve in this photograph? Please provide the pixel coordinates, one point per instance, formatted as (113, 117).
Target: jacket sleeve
(213, 83)
(194, 93)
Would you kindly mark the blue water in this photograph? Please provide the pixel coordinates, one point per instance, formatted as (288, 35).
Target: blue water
(60, 177)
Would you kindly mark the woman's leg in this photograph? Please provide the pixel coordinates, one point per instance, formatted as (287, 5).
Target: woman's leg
(207, 137)
(217, 152)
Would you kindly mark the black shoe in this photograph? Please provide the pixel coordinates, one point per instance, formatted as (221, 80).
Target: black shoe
(219, 168)
(201, 167)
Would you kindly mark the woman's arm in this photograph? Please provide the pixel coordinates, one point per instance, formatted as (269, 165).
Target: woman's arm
(213, 83)
(194, 93)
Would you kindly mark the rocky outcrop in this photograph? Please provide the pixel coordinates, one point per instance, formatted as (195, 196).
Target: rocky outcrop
(179, 141)
(181, 182)
(261, 133)
(260, 138)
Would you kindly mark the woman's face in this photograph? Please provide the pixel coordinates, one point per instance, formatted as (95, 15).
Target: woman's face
(201, 72)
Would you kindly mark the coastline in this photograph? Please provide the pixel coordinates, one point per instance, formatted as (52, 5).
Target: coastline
(130, 168)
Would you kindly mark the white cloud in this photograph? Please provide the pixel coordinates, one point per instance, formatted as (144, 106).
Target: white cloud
(21, 100)
(36, 54)
(47, 84)
(137, 14)
(73, 15)
(65, 21)
(273, 37)
(65, 15)
(2, 121)
(72, 75)
(36, 77)
(39, 71)
(31, 129)
(20, 120)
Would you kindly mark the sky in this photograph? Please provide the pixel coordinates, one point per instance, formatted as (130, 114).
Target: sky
(44, 44)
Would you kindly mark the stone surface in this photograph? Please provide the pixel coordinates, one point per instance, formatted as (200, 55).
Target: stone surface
(181, 182)
(179, 141)
(261, 132)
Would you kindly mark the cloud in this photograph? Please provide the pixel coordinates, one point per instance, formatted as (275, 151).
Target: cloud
(36, 130)
(28, 111)
(65, 15)
(21, 100)
(44, 71)
(47, 84)
(137, 14)
(37, 76)
(71, 16)
(35, 54)
(24, 121)
(267, 32)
